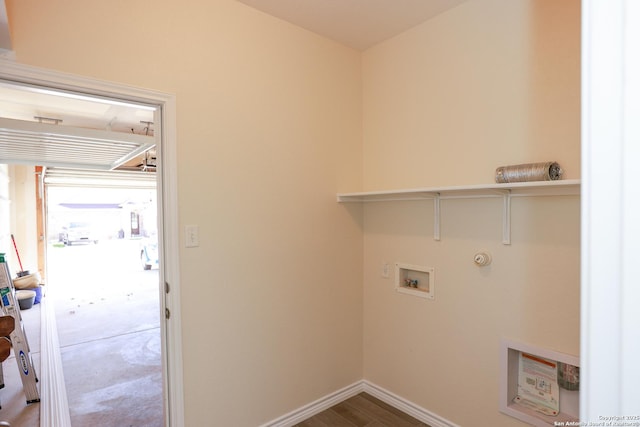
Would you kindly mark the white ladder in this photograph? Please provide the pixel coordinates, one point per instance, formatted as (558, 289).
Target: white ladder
(18, 337)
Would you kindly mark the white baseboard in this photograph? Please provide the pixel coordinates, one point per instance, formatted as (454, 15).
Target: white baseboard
(54, 406)
(309, 410)
(406, 406)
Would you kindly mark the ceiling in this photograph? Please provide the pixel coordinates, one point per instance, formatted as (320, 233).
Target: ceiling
(359, 24)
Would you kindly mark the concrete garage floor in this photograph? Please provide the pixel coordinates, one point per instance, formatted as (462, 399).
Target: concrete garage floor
(108, 315)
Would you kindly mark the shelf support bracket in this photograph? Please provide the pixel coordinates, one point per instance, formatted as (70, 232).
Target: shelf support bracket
(506, 218)
(436, 217)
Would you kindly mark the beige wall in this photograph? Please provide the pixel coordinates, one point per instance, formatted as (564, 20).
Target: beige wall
(490, 83)
(269, 129)
(271, 121)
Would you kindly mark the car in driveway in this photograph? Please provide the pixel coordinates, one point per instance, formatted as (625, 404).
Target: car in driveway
(149, 253)
(77, 232)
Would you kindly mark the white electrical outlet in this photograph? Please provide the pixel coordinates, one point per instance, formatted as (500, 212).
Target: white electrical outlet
(191, 236)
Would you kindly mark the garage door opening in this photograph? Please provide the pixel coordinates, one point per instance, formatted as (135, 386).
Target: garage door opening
(102, 268)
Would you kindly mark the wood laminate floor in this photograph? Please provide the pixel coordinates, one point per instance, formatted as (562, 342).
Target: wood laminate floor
(362, 410)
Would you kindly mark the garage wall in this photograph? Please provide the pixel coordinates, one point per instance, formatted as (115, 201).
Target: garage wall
(17, 189)
(22, 188)
(268, 130)
(5, 206)
(489, 83)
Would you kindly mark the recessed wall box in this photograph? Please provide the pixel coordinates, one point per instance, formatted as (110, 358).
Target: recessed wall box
(415, 280)
(512, 374)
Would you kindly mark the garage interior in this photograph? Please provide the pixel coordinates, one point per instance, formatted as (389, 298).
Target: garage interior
(98, 153)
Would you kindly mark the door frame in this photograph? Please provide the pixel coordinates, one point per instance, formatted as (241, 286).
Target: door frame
(610, 296)
(167, 193)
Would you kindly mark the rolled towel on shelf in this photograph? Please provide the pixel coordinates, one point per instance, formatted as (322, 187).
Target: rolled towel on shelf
(545, 171)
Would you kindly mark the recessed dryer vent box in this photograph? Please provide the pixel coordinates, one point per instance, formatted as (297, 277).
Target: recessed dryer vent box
(415, 280)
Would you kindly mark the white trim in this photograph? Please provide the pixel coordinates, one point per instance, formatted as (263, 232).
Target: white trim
(169, 253)
(309, 410)
(326, 402)
(167, 199)
(610, 338)
(406, 406)
(630, 295)
(54, 406)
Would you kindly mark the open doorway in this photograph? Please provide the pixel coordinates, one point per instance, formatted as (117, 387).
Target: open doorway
(102, 267)
(168, 346)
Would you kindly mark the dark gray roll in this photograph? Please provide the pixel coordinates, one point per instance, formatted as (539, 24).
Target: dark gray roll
(546, 171)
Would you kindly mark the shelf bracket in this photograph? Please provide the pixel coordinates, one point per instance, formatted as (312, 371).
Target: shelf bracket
(436, 217)
(506, 218)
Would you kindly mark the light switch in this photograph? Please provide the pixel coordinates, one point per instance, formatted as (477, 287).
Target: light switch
(385, 270)
(191, 237)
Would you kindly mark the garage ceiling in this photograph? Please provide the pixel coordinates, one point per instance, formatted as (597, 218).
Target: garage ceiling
(51, 128)
(62, 146)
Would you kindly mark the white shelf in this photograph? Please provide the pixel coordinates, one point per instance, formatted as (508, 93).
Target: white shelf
(570, 187)
(539, 188)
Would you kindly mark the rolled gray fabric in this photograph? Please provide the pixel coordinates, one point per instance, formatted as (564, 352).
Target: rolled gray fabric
(546, 171)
